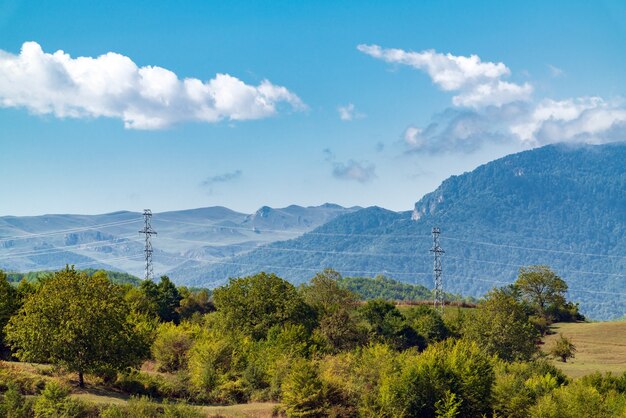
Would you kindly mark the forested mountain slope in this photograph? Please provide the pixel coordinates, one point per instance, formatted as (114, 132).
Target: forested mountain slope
(556, 205)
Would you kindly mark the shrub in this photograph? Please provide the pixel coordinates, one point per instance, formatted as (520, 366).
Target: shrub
(54, 402)
(563, 349)
(171, 346)
(578, 400)
(518, 385)
(428, 381)
(136, 382)
(15, 405)
(26, 383)
(143, 407)
(303, 391)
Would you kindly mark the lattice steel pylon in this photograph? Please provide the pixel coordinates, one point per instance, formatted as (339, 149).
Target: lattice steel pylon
(148, 232)
(438, 253)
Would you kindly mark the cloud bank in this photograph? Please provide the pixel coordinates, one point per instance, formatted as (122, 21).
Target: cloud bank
(113, 86)
(486, 108)
(222, 178)
(361, 171)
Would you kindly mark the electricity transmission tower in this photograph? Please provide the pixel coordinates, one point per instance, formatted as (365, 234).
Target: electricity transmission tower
(437, 252)
(148, 232)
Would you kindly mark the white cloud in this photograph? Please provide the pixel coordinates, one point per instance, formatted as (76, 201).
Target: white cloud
(578, 120)
(349, 112)
(361, 171)
(413, 137)
(478, 83)
(496, 93)
(583, 119)
(489, 109)
(112, 85)
(555, 71)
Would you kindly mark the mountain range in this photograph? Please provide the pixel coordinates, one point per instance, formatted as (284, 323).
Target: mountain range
(558, 205)
(113, 242)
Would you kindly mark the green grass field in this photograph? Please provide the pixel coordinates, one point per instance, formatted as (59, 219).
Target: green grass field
(600, 346)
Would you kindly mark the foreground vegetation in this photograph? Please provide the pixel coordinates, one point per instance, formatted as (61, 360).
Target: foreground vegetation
(315, 350)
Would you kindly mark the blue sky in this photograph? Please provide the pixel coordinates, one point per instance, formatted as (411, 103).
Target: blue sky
(357, 103)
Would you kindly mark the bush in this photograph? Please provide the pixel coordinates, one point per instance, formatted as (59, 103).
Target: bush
(303, 391)
(143, 407)
(54, 402)
(578, 400)
(26, 383)
(135, 382)
(15, 405)
(427, 382)
(171, 346)
(353, 380)
(209, 360)
(428, 323)
(563, 349)
(519, 385)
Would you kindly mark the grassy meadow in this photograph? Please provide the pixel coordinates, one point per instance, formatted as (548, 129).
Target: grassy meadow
(600, 346)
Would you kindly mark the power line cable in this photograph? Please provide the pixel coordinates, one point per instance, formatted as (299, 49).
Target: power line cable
(64, 231)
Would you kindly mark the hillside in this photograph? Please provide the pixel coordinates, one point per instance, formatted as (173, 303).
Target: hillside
(600, 346)
(555, 205)
(112, 242)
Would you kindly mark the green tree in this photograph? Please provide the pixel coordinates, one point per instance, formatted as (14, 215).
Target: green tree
(563, 348)
(500, 325)
(303, 391)
(78, 322)
(542, 289)
(334, 307)
(325, 295)
(161, 300)
(256, 303)
(388, 325)
(168, 300)
(194, 303)
(428, 323)
(9, 304)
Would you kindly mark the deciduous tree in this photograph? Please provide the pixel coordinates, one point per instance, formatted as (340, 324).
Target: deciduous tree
(501, 327)
(256, 303)
(78, 322)
(542, 289)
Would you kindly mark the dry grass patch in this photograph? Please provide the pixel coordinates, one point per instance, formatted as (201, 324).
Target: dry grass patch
(600, 346)
(251, 410)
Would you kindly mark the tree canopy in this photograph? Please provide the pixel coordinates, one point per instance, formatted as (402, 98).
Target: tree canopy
(501, 326)
(79, 322)
(256, 303)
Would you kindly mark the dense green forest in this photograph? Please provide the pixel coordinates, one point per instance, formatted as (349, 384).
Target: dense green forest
(317, 349)
(381, 287)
